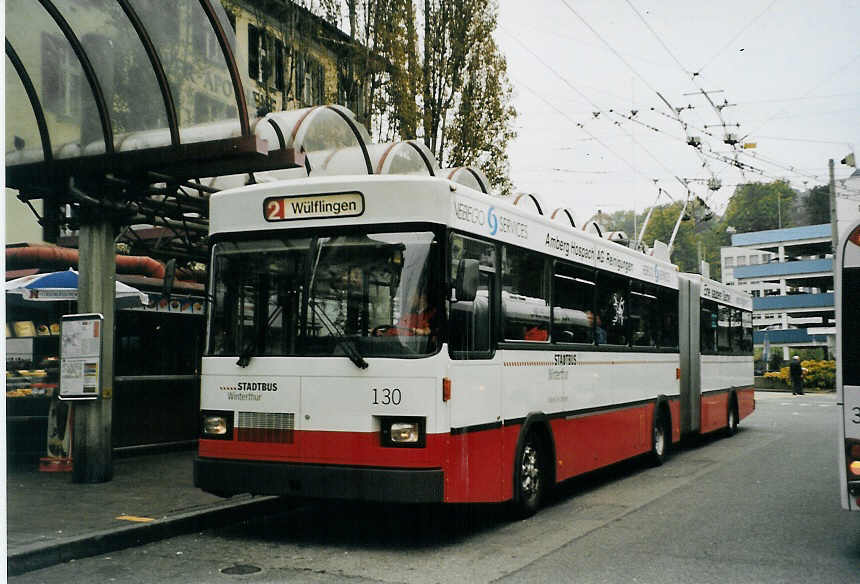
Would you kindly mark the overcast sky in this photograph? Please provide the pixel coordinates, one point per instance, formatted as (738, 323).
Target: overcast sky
(790, 70)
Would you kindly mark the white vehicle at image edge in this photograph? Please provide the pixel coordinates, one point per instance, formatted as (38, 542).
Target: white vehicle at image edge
(848, 365)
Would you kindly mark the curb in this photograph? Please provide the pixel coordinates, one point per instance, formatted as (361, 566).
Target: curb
(37, 556)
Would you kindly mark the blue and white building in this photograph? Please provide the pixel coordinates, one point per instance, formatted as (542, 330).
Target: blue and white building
(789, 273)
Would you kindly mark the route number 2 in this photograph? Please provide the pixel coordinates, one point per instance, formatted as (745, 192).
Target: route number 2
(386, 396)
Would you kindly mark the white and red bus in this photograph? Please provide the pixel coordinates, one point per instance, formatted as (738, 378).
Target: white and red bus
(410, 339)
(848, 365)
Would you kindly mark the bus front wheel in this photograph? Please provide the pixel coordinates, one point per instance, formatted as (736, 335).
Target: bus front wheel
(531, 477)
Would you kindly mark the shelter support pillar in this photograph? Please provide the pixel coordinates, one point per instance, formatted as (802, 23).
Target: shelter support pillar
(91, 437)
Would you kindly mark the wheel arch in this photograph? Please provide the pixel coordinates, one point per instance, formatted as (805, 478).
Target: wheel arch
(661, 408)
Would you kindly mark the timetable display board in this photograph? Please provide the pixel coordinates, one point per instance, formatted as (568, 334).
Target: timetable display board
(81, 338)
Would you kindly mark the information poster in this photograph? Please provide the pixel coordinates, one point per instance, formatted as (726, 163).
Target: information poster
(80, 356)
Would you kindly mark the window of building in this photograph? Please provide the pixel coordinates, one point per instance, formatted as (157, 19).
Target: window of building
(279, 66)
(261, 54)
(525, 296)
(573, 304)
(742, 260)
(207, 109)
(753, 260)
(730, 261)
(62, 77)
(204, 42)
(310, 80)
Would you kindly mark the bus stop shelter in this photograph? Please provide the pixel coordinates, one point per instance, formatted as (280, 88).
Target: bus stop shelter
(114, 110)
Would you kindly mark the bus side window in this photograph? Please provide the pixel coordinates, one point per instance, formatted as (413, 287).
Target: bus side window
(708, 327)
(573, 305)
(613, 315)
(470, 321)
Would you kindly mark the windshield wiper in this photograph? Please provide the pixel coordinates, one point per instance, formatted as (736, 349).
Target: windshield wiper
(249, 349)
(348, 346)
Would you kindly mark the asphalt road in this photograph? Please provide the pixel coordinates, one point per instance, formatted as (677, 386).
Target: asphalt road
(761, 506)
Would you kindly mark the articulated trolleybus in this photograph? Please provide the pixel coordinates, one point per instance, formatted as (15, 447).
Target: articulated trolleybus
(848, 365)
(409, 339)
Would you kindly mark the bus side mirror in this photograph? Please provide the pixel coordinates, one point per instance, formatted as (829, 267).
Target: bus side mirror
(466, 285)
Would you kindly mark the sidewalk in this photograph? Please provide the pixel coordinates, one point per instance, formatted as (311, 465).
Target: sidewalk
(53, 520)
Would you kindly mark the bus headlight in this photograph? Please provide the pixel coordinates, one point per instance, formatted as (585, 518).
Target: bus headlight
(216, 425)
(403, 432)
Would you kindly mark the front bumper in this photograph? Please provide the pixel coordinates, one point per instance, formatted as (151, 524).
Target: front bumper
(230, 477)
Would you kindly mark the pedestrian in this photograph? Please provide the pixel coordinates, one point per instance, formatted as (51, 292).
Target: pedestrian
(795, 370)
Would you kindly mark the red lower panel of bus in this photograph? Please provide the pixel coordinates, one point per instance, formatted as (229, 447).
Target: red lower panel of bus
(478, 466)
(714, 411)
(586, 443)
(746, 402)
(715, 408)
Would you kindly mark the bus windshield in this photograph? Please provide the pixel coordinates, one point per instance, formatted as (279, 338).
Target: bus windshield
(369, 294)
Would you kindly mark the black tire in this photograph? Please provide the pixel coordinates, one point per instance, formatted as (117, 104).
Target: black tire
(732, 418)
(531, 477)
(660, 439)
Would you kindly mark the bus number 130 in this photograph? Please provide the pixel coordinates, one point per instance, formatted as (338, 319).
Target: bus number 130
(386, 396)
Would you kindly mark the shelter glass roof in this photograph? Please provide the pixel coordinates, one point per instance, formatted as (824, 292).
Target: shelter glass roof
(82, 76)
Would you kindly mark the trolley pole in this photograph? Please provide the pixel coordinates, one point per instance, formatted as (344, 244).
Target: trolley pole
(91, 434)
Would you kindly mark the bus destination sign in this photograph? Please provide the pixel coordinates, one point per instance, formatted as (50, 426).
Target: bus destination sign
(298, 207)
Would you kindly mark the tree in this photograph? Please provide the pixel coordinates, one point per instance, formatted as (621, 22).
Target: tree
(454, 94)
(660, 227)
(380, 74)
(481, 129)
(816, 206)
(761, 206)
(618, 221)
(466, 93)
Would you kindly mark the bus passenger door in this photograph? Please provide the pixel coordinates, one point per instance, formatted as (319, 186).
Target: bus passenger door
(474, 465)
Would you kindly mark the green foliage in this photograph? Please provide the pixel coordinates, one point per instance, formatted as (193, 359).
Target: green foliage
(816, 206)
(761, 206)
(816, 374)
(660, 227)
(776, 360)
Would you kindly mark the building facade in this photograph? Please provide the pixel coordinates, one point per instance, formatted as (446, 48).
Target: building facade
(292, 58)
(789, 273)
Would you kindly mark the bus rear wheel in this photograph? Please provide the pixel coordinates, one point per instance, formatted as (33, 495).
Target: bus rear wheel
(659, 440)
(531, 477)
(732, 419)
